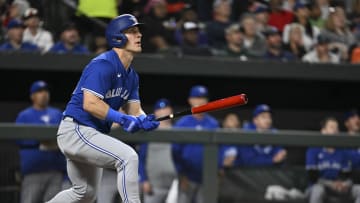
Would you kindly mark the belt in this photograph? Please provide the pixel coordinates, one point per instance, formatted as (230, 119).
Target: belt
(68, 118)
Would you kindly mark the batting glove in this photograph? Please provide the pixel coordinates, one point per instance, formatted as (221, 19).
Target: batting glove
(130, 123)
(148, 122)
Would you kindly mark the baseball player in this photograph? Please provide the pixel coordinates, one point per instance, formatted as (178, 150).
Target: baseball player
(107, 85)
(156, 168)
(188, 158)
(42, 164)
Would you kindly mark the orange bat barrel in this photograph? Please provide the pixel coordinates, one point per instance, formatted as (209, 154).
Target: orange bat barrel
(225, 103)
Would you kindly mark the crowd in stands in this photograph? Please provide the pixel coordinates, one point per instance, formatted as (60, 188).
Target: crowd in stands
(329, 169)
(313, 31)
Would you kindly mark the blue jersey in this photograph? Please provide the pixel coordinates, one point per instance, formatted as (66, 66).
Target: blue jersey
(25, 47)
(355, 158)
(105, 77)
(34, 160)
(60, 48)
(188, 158)
(328, 164)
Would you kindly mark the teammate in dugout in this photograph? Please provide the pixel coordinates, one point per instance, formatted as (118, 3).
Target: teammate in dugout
(42, 164)
(108, 87)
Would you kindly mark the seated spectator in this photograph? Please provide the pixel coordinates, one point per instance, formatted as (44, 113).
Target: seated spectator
(352, 122)
(231, 123)
(34, 33)
(278, 17)
(329, 168)
(262, 17)
(295, 41)
(191, 46)
(338, 32)
(315, 18)
(221, 20)
(254, 42)
(321, 52)
(16, 11)
(354, 55)
(302, 18)
(158, 33)
(275, 50)
(234, 44)
(15, 30)
(324, 6)
(69, 42)
(259, 155)
(354, 18)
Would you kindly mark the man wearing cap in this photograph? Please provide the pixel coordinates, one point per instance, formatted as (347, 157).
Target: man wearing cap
(262, 17)
(69, 42)
(275, 50)
(34, 33)
(321, 52)
(254, 41)
(190, 45)
(188, 158)
(156, 168)
(15, 30)
(42, 164)
(259, 155)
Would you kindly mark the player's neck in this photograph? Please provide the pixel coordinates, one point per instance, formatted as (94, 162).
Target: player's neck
(39, 107)
(125, 57)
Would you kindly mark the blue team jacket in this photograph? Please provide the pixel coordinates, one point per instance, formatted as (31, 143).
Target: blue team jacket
(60, 48)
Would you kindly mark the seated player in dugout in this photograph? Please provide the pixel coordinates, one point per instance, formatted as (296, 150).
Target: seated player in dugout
(260, 155)
(329, 169)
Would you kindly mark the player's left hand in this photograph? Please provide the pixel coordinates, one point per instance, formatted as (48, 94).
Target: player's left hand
(131, 124)
(149, 122)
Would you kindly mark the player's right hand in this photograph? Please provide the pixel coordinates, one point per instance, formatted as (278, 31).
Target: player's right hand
(130, 123)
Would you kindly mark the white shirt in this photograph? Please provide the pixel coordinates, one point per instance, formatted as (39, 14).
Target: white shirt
(43, 39)
(312, 57)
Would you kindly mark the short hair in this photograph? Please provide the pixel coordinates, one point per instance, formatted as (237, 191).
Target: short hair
(325, 121)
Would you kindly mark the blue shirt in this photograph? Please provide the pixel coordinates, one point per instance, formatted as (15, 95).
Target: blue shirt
(34, 160)
(188, 158)
(355, 158)
(60, 48)
(25, 47)
(328, 164)
(105, 77)
(283, 57)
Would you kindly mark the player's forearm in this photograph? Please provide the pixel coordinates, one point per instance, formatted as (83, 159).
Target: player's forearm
(98, 109)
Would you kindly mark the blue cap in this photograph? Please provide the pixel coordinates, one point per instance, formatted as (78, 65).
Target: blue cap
(14, 24)
(161, 103)
(37, 86)
(350, 114)
(299, 5)
(261, 9)
(261, 109)
(199, 91)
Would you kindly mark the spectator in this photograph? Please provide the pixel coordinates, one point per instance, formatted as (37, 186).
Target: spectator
(231, 123)
(295, 41)
(159, 32)
(254, 42)
(42, 164)
(315, 18)
(234, 43)
(188, 158)
(262, 17)
(275, 50)
(259, 155)
(16, 11)
(156, 168)
(302, 18)
(221, 20)
(324, 6)
(34, 33)
(278, 17)
(354, 54)
(69, 42)
(191, 46)
(329, 168)
(352, 122)
(321, 52)
(15, 30)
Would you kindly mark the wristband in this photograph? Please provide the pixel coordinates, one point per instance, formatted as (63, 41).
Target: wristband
(142, 117)
(114, 116)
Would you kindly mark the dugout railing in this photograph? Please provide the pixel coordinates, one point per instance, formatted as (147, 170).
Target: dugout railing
(210, 139)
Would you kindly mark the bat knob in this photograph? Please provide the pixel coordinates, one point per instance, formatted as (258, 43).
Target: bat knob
(245, 98)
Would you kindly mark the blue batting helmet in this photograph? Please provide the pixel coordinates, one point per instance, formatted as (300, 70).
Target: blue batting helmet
(114, 31)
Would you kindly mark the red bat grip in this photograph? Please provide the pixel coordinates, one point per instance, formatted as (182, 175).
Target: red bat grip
(228, 102)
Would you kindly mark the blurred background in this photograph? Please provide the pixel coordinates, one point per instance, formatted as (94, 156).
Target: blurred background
(295, 59)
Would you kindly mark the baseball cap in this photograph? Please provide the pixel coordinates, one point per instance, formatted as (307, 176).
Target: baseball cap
(69, 26)
(321, 39)
(38, 85)
(14, 24)
(198, 91)
(161, 103)
(233, 28)
(350, 114)
(299, 5)
(261, 9)
(271, 31)
(30, 12)
(189, 25)
(261, 109)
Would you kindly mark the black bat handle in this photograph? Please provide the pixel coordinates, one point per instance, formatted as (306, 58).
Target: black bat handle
(174, 115)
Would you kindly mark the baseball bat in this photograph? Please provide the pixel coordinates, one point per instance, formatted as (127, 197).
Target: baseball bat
(220, 104)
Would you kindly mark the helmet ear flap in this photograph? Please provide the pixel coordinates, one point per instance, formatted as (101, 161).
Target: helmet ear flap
(118, 40)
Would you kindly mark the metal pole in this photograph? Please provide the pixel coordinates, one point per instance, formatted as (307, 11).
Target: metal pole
(210, 173)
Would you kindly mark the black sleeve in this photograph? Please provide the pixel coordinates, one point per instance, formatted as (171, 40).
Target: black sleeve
(313, 175)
